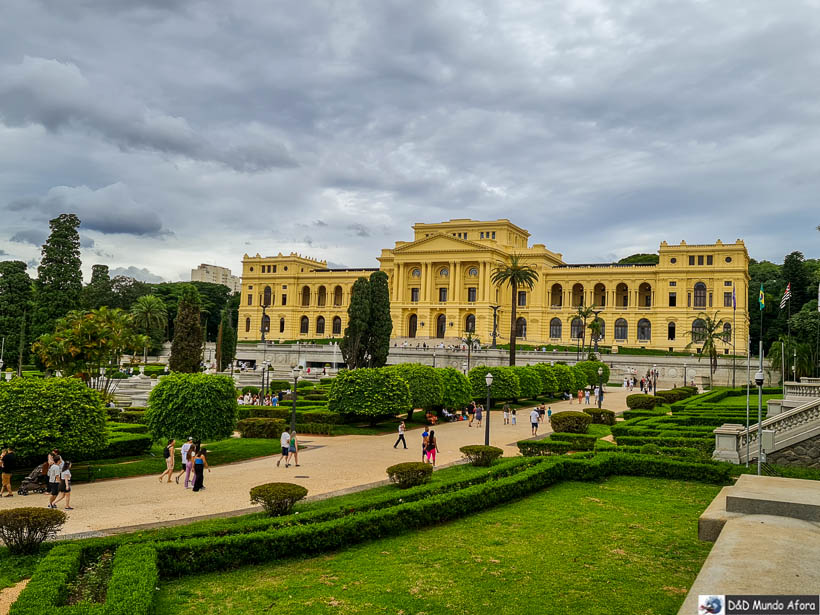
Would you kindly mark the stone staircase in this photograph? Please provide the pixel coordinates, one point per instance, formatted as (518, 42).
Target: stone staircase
(133, 391)
(791, 435)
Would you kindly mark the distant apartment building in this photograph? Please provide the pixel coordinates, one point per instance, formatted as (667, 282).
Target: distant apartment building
(216, 275)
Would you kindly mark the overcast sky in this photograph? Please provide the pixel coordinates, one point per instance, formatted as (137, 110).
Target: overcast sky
(183, 131)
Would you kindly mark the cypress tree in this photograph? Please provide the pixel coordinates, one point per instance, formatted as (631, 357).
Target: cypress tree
(186, 348)
(355, 340)
(226, 344)
(380, 325)
(59, 285)
(15, 296)
(99, 291)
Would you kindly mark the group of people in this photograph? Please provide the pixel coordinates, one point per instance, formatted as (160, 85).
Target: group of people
(538, 415)
(261, 400)
(194, 461)
(587, 395)
(58, 471)
(290, 448)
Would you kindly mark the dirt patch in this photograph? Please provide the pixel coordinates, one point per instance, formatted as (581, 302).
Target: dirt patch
(9, 595)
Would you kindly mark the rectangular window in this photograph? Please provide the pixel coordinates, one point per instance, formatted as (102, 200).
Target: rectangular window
(691, 260)
(493, 234)
(709, 260)
(673, 299)
(442, 295)
(710, 299)
(284, 299)
(471, 294)
(522, 298)
(481, 235)
(727, 299)
(465, 235)
(414, 295)
(700, 259)
(250, 299)
(274, 268)
(688, 299)
(673, 283)
(727, 283)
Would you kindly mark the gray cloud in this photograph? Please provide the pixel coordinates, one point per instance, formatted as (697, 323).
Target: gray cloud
(141, 274)
(35, 237)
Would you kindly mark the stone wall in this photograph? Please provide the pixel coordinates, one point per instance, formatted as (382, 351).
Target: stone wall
(805, 454)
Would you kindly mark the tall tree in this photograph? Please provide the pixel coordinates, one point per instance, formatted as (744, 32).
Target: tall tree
(59, 285)
(98, 292)
(380, 325)
(584, 313)
(517, 275)
(15, 299)
(794, 271)
(127, 290)
(149, 314)
(226, 342)
(186, 349)
(354, 342)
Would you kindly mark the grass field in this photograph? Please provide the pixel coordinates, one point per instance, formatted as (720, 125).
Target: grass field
(625, 545)
(741, 400)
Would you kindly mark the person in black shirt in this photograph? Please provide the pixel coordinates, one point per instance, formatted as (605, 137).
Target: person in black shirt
(9, 461)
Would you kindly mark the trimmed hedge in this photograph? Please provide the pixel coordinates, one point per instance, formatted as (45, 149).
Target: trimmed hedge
(302, 416)
(48, 587)
(277, 498)
(701, 444)
(601, 416)
(642, 401)
(570, 422)
(410, 474)
(260, 428)
(480, 455)
(127, 427)
(124, 444)
(557, 444)
(131, 416)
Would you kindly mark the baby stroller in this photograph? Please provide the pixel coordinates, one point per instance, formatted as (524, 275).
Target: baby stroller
(34, 482)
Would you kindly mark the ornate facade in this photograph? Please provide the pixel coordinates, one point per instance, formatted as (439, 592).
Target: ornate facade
(441, 288)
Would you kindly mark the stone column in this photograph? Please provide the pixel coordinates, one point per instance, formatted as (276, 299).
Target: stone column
(726, 443)
(451, 290)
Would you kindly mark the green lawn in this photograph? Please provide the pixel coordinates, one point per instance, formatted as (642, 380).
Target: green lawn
(625, 545)
(741, 400)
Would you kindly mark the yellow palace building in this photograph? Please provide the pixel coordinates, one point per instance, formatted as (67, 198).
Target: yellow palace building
(440, 289)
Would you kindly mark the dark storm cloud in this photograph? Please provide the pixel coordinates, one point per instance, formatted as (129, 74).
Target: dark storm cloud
(35, 237)
(272, 126)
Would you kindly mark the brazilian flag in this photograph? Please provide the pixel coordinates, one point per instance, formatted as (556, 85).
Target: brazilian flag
(761, 298)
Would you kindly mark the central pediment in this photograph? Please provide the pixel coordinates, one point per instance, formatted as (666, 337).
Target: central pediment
(442, 242)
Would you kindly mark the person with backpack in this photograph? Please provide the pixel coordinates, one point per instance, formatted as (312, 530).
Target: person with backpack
(425, 439)
(432, 446)
(168, 453)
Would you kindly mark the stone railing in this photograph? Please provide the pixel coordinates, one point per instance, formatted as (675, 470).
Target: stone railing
(735, 444)
(806, 388)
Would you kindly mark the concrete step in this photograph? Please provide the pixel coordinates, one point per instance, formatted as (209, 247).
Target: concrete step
(770, 495)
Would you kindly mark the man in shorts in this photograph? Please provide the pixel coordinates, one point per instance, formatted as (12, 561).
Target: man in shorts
(534, 421)
(54, 480)
(284, 441)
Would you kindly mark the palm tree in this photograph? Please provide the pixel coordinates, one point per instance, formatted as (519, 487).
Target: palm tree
(595, 331)
(147, 312)
(517, 275)
(785, 351)
(583, 313)
(710, 336)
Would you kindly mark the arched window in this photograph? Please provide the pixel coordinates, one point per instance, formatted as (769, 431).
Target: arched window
(441, 325)
(644, 330)
(281, 325)
(266, 323)
(622, 296)
(321, 296)
(469, 323)
(557, 295)
(412, 325)
(304, 325)
(555, 328)
(266, 296)
(521, 328)
(698, 330)
(337, 325)
(670, 331)
(727, 333)
(247, 325)
(599, 295)
(700, 295)
(337, 295)
(576, 328)
(577, 295)
(305, 296)
(621, 329)
(645, 295)
(320, 325)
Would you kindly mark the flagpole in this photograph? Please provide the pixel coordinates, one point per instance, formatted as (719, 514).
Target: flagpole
(734, 332)
(748, 381)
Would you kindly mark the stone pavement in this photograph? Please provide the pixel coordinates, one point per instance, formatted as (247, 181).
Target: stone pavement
(328, 464)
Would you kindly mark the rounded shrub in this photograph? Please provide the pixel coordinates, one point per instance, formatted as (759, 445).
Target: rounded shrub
(601, 416)
(642, 401)
(530, 381)
(506, 384)
(480, 455)
(369, 393)
(277, 498)
(570, 422)
(563, 378)
(456, 389)
(590, 368)
(23, 530)
(260, 427)
(250, 389)
(410, 474)
(650, 449)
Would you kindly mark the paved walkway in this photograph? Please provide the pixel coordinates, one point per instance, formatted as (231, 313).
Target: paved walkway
(328, 464)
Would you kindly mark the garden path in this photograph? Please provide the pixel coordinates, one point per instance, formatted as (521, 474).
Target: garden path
(328, 464)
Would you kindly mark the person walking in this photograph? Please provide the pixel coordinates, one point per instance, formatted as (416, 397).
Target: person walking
(184, 454)
(471, 413)
(512, 416)
(65, 486)
(549, 415)
(54, 471)
(9, 463)
(432, 447)
(506, 410)
(284, 442)
(541, 412)
(479, 414)
(534, 421)
(293, 450)
(200, 463)
(425, 438)
(401, 439)
(586, 396)
(168, 453)
(580, 396)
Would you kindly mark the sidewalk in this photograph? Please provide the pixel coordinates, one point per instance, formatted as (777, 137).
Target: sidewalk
(327, 464)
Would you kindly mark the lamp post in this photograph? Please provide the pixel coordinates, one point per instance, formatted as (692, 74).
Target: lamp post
(654, 379)
(434, 359)
(794, 366)
(264, 307)
(265, 381)
(489, 380)
(495, 309)
(464, 367)
(295, 372)
(684, 373)
(600, 386)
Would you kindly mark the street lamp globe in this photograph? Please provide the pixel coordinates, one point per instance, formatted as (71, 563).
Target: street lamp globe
(295, 372)
(600, 371)
(489, 379)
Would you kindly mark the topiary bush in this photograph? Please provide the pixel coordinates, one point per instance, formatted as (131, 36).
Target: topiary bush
(590, 368)
(530, 381)
(202, 406)
(480, 455)
(258, 427)
(277, 498)
(369, 393)
(423, 381)
(506, 384)
(642, 401)
(549, 383)
(456, 389)
(410, 474)
(563, 378)
(39, 415)
(570, 422)
(601, 416)
(23, 530)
